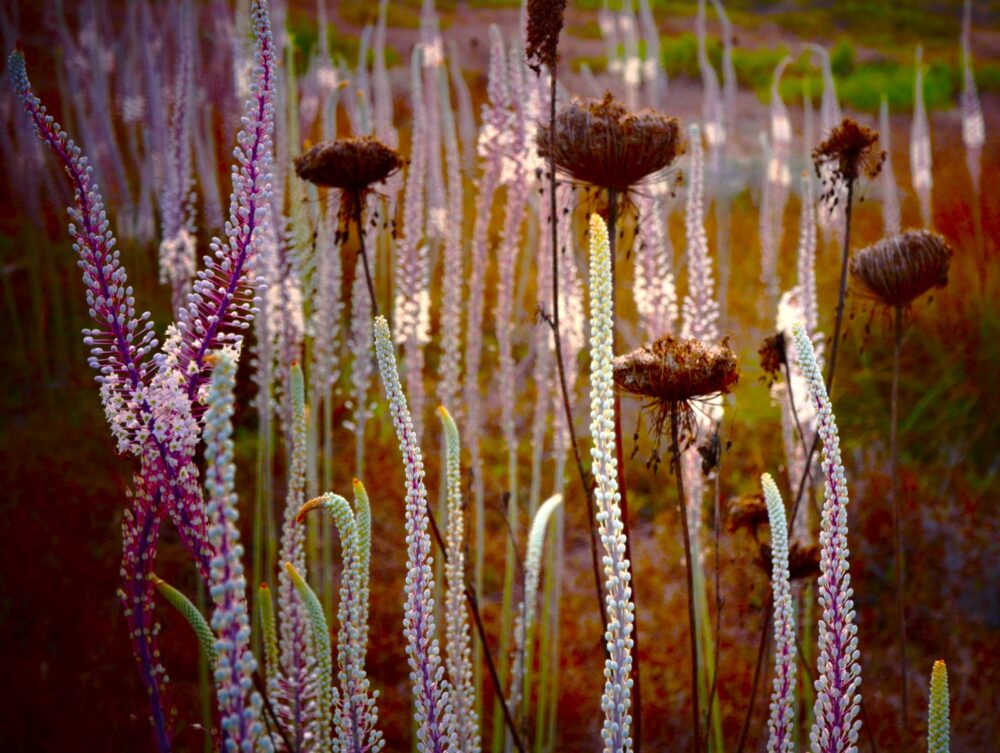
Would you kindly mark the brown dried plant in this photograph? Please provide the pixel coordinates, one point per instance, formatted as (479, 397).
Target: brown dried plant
(852, 150)
(899, 269)
(601, 143)
(545, 22)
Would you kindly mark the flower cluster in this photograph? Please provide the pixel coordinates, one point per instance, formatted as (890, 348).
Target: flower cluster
(617, 698)
(780, 723)
(433, 712)
(223, 300)
(355, 715)
(838, 701)
(938, 726)
(235, 663)
(458, 640)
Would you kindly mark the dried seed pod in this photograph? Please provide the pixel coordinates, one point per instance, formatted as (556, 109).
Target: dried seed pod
(601, 143)
(899, 269)
(773, 356)
(803, 560)
(746, 512)
(545, 21)
(851, 150)
(351, 164)
(675, 370)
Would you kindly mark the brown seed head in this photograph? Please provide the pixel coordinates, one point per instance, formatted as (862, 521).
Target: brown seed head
(545, 21)
(746, 512)
(352, 164)
(672, 370)
(803, 560)
(899, 269)
(773, 356)
(851, 149)
(598, 141)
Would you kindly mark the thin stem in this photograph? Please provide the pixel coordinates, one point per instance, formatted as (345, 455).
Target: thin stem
(554, 324)
(364, 256)
(761, 650)
(718, 604)
(843, 289)
(896, 522)
(473, 602)
(682, 508)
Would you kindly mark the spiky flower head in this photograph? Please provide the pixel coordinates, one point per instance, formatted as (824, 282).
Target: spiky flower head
(899, 269)
(431, 689)
(851, 150)
(838, 701)
(781, 722)
(601, 143)
(938, 725)
(617, 700)
(545, 21)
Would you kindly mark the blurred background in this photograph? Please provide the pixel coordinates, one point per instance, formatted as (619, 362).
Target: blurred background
(65, 652)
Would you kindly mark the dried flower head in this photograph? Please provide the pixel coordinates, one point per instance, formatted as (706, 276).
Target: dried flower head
(351, 164)
(773, 356)
(598, 141)
(899, 269)
(851, 151)
(675, 370)
(545, 21)
(748, 512)
(803, 560)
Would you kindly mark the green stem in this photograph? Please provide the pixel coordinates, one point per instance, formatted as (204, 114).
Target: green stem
(692, 622)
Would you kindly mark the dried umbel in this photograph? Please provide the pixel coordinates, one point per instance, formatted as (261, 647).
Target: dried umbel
(852, 151)
(545, 21)
(601, 143)
(352, 164)
(803, 560)
(748, 512)
(773, 356)
(899, 269)
(675, 370)
(674, 373)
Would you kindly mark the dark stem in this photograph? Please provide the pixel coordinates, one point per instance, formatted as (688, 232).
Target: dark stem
(473, 602)
(269, 716)
(554, 324)
(896, 522)
(718, 607)
(761, 650)
(364, 256)
(622, 486)
(843, 289)
(682, 508)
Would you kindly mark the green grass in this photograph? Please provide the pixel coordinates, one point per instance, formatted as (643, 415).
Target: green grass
(860, 85)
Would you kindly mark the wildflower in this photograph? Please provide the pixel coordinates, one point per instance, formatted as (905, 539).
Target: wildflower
(938, 727)
(781, 720)
(899, 269)
(598, 141)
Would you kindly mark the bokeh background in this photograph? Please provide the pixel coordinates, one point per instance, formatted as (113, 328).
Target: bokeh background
(63, 645)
